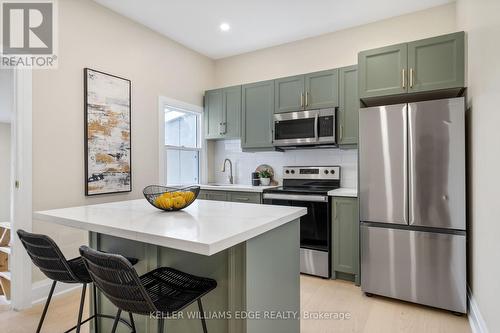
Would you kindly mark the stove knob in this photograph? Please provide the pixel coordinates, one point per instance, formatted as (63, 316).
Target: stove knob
(287, 171)
(326, 172)
(332, 171)
(293, 171)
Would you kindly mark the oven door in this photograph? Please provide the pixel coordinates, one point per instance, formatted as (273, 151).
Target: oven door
(315, 257)
(315, 226)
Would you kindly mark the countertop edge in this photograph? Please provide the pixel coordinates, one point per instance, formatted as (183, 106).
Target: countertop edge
(257, 231)
(236, 188)
(182, 245)
(344, 192)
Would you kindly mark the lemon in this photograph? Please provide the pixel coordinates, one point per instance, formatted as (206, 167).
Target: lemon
(166, 195)
(162, 202)
(178, 202)
(167, 203)
(188, 196)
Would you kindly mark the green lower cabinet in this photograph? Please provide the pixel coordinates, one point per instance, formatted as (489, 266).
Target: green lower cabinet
(233, 196)
(345, 239)
(348, 112)
(244, 197)
(212, 195)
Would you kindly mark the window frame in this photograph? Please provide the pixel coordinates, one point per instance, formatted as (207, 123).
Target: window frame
(165, 103)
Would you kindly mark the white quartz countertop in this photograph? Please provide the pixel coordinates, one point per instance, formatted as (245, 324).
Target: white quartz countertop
(344, 192)
(205, 227)
(235, 187)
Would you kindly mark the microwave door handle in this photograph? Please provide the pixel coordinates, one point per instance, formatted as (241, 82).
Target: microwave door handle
(316, 123)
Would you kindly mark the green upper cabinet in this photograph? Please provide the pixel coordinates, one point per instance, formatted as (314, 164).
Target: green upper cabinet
(383, 71)
(289, 94)
(213, 114)
(307, 92)
(223, 113)
(348, 112)
(436, 63)
(425, 65)
(345, 237)
(232, 112)
(322, 90)
(256, 115)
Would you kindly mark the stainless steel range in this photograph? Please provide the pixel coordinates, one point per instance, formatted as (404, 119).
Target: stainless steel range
(308, 187)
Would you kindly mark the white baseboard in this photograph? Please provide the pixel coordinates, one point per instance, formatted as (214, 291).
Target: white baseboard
(476, 321)
(40, 290)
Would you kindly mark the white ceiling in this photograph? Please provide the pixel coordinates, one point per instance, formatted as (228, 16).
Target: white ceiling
(256, 24)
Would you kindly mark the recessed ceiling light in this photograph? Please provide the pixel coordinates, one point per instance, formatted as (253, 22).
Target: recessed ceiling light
(224, 27)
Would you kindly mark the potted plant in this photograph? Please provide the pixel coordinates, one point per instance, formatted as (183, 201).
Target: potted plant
(265, 177)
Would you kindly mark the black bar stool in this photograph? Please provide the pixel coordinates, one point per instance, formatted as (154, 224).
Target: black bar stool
(163, 290)
(47, 256)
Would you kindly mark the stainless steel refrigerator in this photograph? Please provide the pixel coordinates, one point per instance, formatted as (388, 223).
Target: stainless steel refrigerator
(412, 202)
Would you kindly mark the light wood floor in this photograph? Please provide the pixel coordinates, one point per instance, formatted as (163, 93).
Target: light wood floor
(367, 314)
(370, 314)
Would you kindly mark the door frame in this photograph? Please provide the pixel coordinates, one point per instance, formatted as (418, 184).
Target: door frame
(22, 202)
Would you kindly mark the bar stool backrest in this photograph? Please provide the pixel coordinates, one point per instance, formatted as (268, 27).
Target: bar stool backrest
(118, 280)
(47, 256)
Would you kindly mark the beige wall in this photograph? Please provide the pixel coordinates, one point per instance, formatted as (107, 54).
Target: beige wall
(5, 159)
(334, 49)
(480, 19)
(95, 37)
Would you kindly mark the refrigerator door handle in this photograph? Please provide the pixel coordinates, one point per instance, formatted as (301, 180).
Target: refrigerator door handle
(407, 160)
(410, 165)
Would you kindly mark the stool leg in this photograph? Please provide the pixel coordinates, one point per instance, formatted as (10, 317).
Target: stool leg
(117, 318)
(161, 324)
(80, 312)
(45, 308)
(96, 318)
(132, 322)
(202, 315)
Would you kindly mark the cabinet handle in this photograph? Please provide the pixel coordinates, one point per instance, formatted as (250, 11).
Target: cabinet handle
(403, 77)
(302, 99)
(341, 132)
(307, 98)
(411, 77)
(241, 199)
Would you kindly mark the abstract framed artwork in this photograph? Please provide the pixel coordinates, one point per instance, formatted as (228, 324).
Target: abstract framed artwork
(108, 159)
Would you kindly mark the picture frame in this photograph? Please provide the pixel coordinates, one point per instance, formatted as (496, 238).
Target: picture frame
(107, 139)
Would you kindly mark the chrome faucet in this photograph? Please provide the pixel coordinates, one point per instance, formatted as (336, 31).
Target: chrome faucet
(230, 177)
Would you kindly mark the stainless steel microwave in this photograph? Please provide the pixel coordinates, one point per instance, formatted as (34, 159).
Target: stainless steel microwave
(304, 128)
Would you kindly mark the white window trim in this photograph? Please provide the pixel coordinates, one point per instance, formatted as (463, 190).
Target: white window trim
(164, 102)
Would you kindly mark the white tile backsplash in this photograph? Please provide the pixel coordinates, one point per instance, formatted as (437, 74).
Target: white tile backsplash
(245, 163)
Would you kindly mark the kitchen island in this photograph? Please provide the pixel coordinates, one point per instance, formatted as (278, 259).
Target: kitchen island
(251, 250)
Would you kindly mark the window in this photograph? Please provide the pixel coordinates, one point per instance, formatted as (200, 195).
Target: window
(182, 145)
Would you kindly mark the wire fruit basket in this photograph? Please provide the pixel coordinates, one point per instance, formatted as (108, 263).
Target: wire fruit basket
(169, 198)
